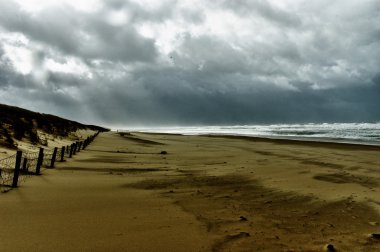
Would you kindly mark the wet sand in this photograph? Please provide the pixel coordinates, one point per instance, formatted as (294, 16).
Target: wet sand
(206, 193)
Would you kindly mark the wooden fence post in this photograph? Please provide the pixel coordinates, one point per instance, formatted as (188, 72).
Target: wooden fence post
(17, 169)
(79, 146)
(71, 151)
(53, 157)
(39, 161)
(63, 154)
(74, 148)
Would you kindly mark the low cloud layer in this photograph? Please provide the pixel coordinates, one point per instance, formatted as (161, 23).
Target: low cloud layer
(124, 63)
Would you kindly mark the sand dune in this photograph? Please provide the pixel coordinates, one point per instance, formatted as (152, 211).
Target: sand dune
(123, 193)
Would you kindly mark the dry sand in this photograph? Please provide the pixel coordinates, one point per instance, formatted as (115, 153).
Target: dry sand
(205, 194)
(50, 140)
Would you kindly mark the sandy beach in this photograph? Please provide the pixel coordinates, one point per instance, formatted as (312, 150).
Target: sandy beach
(160, 192)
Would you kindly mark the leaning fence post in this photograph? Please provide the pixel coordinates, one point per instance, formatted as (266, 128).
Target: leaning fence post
(40, 160)
(17, 169)
(62, 153)
(53, 157)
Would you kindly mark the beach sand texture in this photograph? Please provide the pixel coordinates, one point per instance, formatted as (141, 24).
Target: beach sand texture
(207, 193)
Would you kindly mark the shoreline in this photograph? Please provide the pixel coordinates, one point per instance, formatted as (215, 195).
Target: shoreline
(278, 139)
(353, 133)
(301, 141)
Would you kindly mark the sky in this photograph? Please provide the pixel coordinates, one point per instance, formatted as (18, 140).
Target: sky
(192, 62)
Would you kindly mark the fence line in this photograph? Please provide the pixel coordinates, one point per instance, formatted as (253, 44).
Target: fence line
(15, 169)
(6, 170)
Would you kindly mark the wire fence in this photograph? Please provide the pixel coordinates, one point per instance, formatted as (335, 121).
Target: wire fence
(15, 169)
(6, 172)
(29, 162)
(48, 155)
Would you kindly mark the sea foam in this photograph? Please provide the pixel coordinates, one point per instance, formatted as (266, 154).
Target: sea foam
(364, 133)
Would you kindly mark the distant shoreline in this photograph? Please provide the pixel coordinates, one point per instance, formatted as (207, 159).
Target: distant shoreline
(345, 133)
(278, 139)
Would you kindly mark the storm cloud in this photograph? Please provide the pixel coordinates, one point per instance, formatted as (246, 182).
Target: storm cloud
(121, 63)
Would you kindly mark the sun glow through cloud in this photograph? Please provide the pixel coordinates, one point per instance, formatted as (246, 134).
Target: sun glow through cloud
(21, 58)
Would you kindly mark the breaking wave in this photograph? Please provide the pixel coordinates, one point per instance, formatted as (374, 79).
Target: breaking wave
(366, 133)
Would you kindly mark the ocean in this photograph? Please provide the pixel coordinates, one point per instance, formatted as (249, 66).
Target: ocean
(358, 133)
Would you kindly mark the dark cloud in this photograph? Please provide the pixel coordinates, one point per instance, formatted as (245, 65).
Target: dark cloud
(8, 76)
(169, 96)
(80, 34)
(176, 63)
